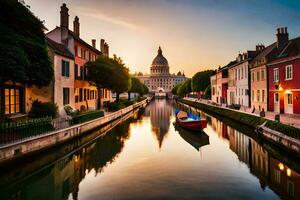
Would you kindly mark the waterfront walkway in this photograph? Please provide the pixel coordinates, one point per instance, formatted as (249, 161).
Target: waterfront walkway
(288, 119)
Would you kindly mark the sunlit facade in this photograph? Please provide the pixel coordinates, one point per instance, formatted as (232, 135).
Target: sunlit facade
(160, 80)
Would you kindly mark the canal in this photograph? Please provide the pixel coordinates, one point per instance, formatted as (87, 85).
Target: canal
(147, 157)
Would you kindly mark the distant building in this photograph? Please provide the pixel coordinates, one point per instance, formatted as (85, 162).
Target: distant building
(160, 81)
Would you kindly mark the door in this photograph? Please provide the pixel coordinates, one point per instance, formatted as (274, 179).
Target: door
(276, 102)
(288, 103)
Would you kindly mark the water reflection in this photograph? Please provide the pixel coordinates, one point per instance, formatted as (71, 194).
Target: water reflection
(160, 112)
(62, 178)
(197, 140)
(269, 170)
(127, 163)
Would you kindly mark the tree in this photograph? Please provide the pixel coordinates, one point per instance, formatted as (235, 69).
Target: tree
(184, 88)
(175, 88)
(120, 78)
(201, 80)
(23, 49)
(145, 89)
(99, 74)
(136, 87)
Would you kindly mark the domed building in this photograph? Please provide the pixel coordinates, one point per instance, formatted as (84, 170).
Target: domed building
(161, 81)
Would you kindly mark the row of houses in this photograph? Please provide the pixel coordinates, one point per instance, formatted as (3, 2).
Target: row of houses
(262, 79)
(68, 53)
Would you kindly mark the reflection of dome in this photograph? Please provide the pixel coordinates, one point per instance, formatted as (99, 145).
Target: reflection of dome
(160, 59)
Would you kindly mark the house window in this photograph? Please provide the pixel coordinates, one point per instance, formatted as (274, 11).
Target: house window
(258, 76)
(290, 188)
(263, 74)
(65, 68)
(81, 73)
(277, 176)
(288, 72)
(12, 100)
(76, 71)
(252, 95)
(80, 95)
(258, 95)
(79, 52)
(252, 77)
(263, 96)
(66, 96)
(276, 75)
(290, 99)
(242, 73)
(85, 96)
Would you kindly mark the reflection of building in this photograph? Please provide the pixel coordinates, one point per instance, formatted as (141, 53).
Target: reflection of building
(220, 128)
(239, 143)
(160, 80)
(160, 113)
(259, 163)
(62, 178)
(283, 180)
(270, 171)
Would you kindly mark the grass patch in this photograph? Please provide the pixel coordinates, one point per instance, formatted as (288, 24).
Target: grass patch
(243, 118)
(87, 116)
(285, 129)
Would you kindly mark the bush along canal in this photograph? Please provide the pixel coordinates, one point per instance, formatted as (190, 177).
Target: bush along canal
(286, 137)
(15, 144)
(146, 156)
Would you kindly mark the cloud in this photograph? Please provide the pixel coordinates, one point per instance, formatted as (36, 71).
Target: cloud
(107, 18)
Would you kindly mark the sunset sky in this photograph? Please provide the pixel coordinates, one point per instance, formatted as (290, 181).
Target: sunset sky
(194, 34)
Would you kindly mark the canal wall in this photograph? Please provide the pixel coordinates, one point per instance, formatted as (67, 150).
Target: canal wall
(30, 145)
(257, 123)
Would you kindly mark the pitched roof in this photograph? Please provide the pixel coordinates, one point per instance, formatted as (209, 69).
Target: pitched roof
(291, 49)
(81, 41)
(266, 51)
(78, 39)
(60, 49)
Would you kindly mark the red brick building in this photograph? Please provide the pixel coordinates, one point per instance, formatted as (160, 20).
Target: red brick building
(283, 82)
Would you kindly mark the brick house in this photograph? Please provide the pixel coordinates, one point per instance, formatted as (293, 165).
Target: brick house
(283, 84)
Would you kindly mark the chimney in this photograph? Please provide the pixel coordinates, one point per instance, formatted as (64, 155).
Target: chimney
(94, 43)
(102, 41)
(76, 26)
(260, 47)
(64, 16)
(282, 37)
(106, 48)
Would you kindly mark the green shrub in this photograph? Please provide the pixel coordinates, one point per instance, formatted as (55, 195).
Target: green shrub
(39, 109)
(285, 129)
(243, 118)
(114, 106)
(87, 116)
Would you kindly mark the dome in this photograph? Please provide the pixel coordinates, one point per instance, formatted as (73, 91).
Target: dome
(160, 59)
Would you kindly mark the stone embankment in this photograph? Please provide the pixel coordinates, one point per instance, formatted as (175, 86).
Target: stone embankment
(47, 140)
(287, 142)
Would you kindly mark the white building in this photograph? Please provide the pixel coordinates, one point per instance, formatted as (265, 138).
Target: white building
(160, 81)
(240, 78)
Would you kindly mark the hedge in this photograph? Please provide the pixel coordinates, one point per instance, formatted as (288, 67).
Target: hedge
(285, 129)
(87, 116)
(246, 119)
(243, 118)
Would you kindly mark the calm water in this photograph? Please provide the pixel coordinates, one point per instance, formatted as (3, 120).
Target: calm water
(148, 158)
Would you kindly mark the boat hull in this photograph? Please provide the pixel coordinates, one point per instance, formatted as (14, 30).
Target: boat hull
(192, 125)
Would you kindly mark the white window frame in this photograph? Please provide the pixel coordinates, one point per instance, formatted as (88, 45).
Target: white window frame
(286, 72)
(276, 74)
